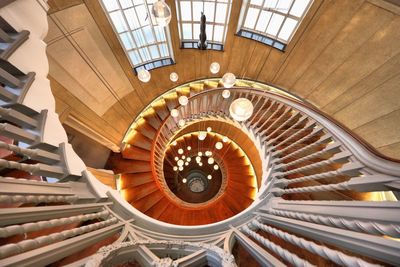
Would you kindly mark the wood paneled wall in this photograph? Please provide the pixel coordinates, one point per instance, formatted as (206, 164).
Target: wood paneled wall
(344, 59)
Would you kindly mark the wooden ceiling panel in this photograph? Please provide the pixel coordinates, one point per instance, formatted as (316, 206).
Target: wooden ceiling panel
(83, 61)
(342, 51)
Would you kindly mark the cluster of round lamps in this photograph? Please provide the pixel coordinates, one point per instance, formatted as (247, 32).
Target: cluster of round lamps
(183, 160)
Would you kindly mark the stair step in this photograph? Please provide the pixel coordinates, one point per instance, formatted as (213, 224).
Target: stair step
(136, 153)
(139, 192)
(139, 140)
(136, 179)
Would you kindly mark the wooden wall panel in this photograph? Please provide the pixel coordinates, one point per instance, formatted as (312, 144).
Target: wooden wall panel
(383, 132)
(347, 42)
(374, 105)
(344, 58)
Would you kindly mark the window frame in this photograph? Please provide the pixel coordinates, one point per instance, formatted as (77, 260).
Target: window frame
(147, 64)
(264, 37)
(192, 43)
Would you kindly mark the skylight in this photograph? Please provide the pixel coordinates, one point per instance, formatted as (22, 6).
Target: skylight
(272, 22)
(146, 45)
(217, 17)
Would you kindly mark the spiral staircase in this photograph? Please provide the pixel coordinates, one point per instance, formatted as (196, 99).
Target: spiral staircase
(294, 187)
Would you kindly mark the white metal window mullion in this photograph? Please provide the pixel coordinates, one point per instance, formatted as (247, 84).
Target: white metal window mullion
(153, 31)
(227, 15)
(192, 21)
(169, 42)
(258, 16)
(145, 42)
(269, 21)
(300, 19)
(283, 22)
(245, 15)
(213, 22)
(274, 10)
(141, 30)
(130, 33)
(181, 20)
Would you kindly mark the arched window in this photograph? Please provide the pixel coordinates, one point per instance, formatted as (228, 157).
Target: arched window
(146, 44)
(272, 22)
(217, 17)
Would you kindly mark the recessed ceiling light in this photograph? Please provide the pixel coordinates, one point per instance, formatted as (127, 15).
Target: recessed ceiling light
(202, 135)
(228, 80)
(226, 93)
(173, 77)
(174, 113)
(181, 122)
(144, 75)
(241, 109)
(161, 13)
(214, 67)
(218, 145)
(183, 100)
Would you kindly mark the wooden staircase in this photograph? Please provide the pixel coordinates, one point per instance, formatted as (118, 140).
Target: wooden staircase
(304, 154)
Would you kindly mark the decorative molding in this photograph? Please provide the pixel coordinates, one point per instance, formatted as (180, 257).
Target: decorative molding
(110, 252)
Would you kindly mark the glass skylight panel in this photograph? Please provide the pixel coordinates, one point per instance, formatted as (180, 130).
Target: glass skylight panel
(217, 16)
(272, 21)
(143, 41)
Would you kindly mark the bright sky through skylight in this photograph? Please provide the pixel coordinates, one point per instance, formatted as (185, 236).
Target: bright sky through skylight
(142, 41)
(217, 16)
(277, 19)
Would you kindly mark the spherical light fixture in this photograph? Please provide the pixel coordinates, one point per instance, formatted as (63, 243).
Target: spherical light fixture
(144, 75)
(228, 80)
(208, 153)
(214, 67)
(200, 154)
(189, 148)
(225, 139)
(183, 100)
(184, 180)
(173, 77)
(202, 135)
(216, 167)
(180, 163)
(186, 163)
(198, 159)
(200, 164)
(176, 158)
(209, 129)
(183, 157)
(180, 168)
(210, 161)
(174, 113)
(174, 143)
(209, 177)
(180, 151)
(181, 122)
(188, 159)
(241, 109)
(218, 145)
(175, 168)
(161, 13)
(226, 93)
